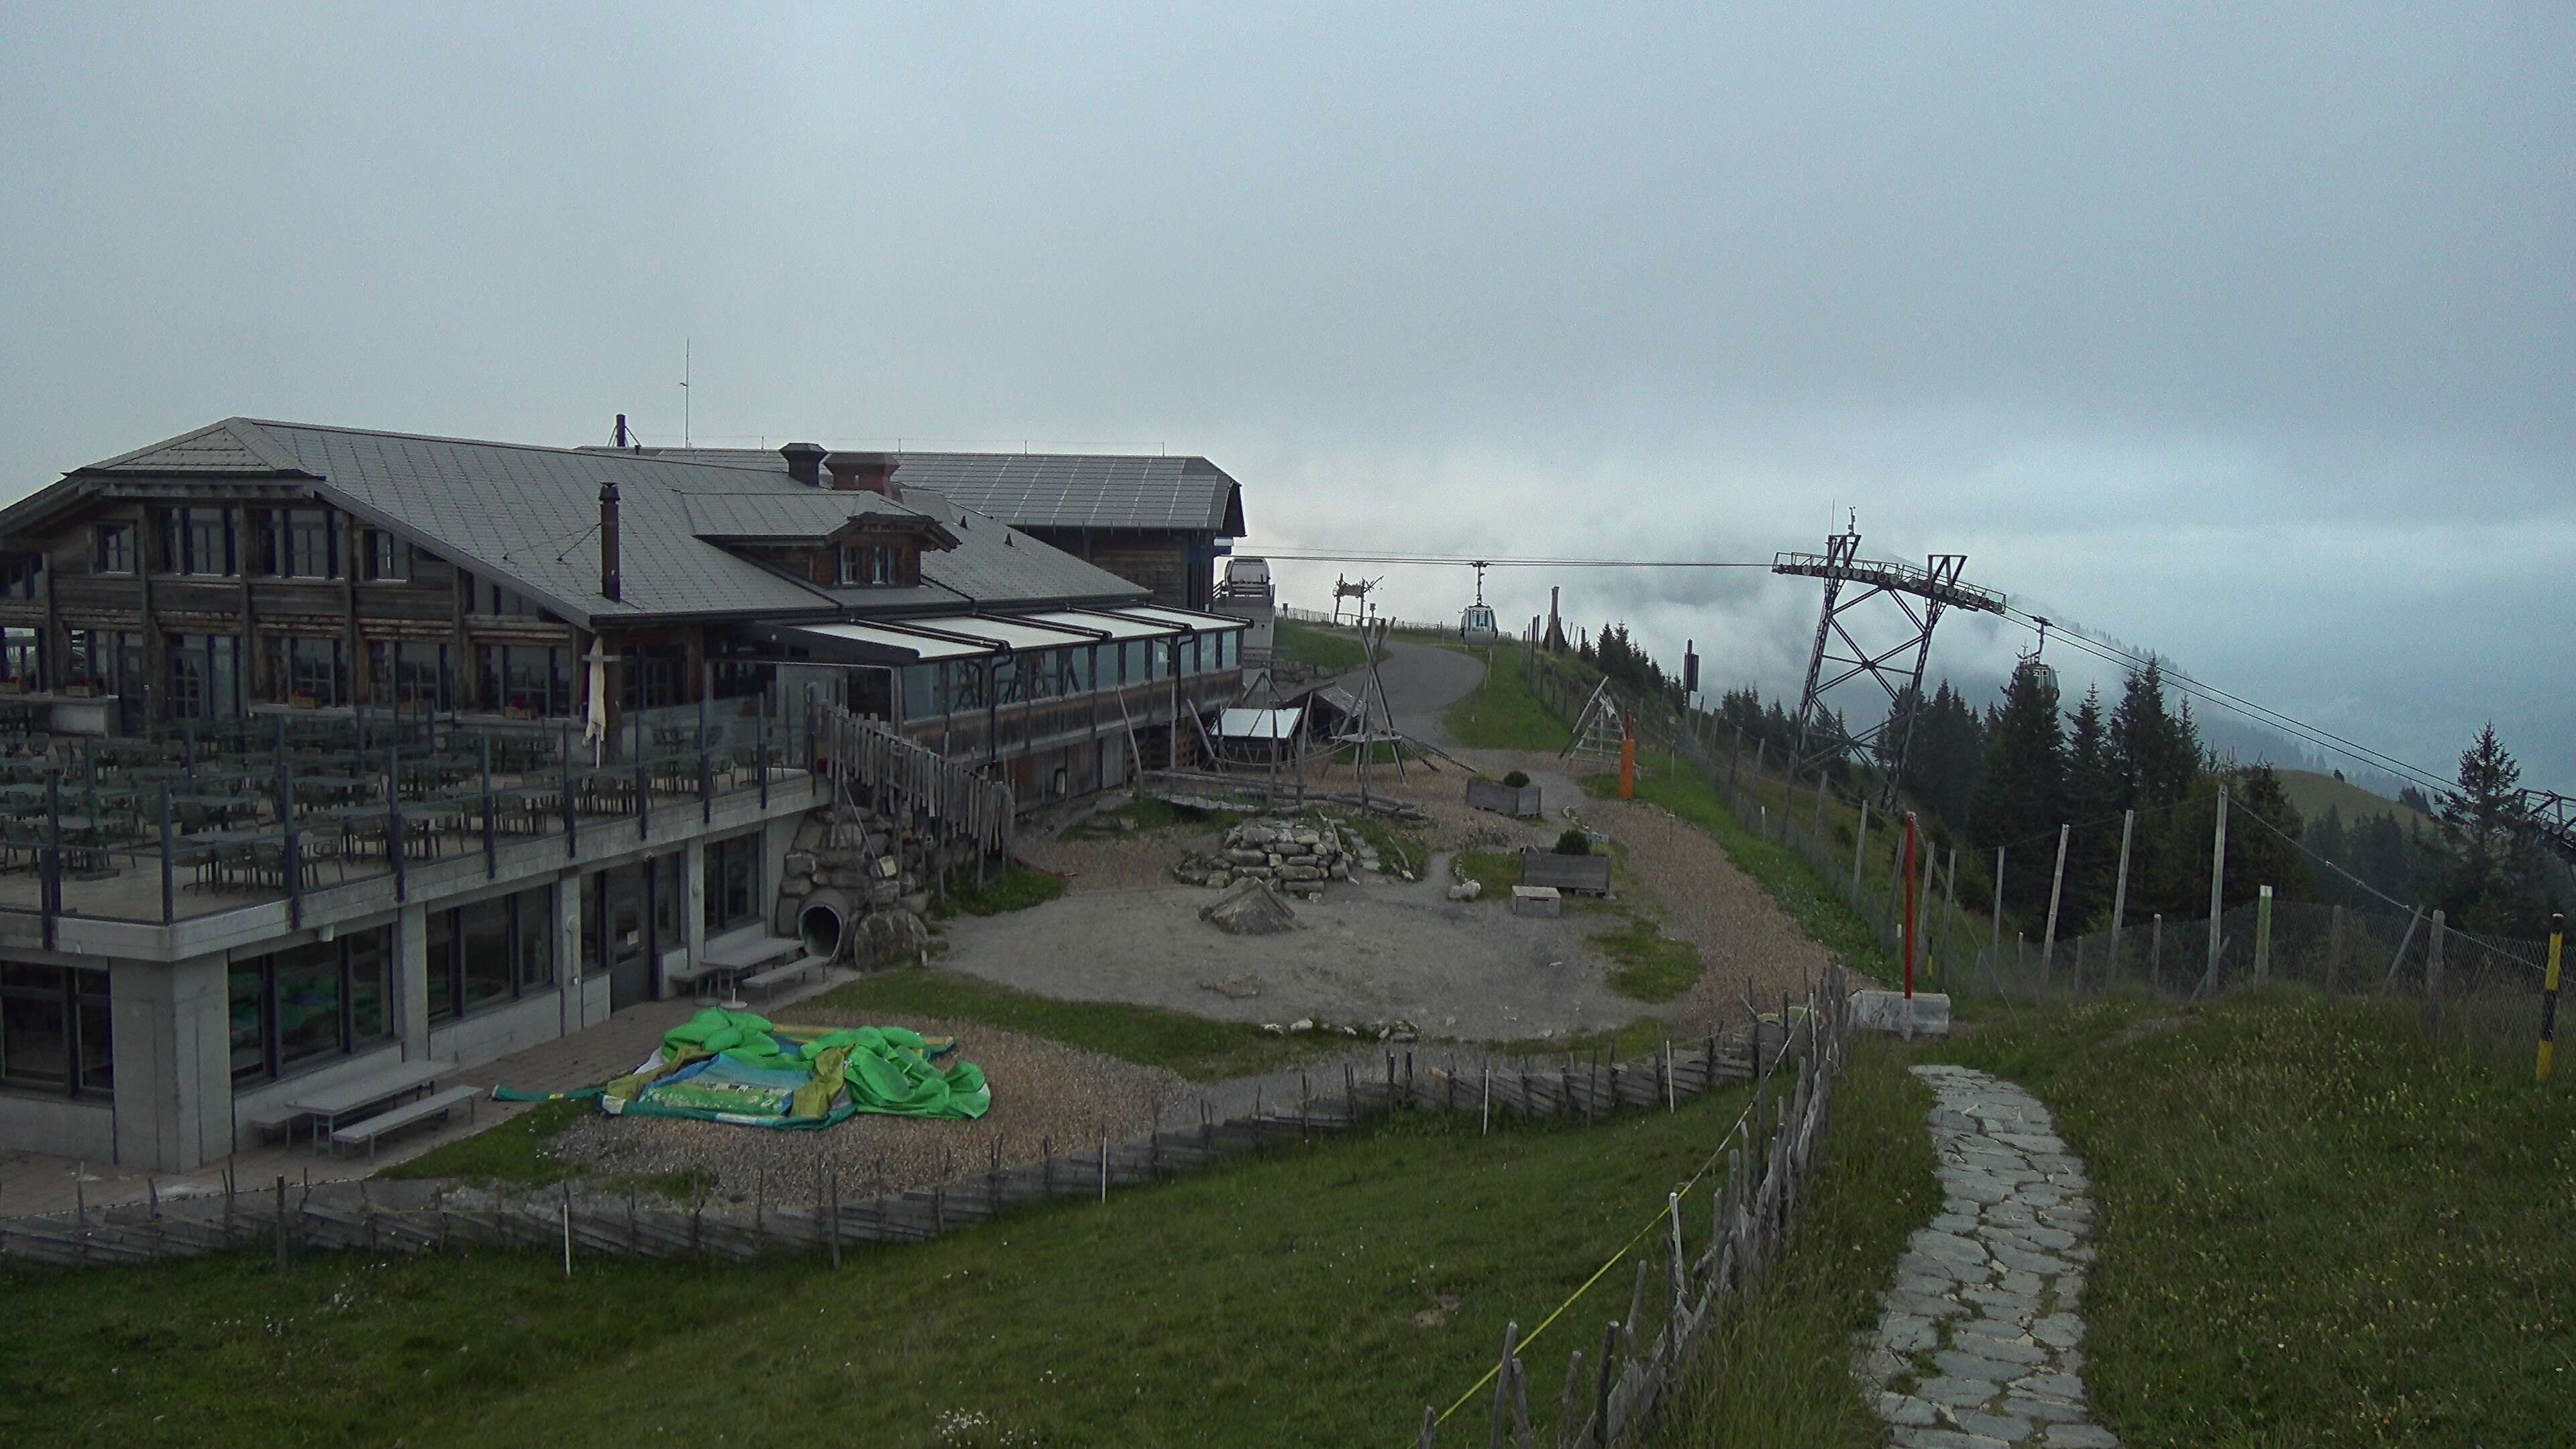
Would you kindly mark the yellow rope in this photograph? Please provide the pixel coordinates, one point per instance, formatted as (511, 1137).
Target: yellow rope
(1624, 1250)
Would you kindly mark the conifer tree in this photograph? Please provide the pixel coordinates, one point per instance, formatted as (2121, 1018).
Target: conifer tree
(2023, 792)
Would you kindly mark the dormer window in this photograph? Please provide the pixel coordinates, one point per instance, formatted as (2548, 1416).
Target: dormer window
(867, 565)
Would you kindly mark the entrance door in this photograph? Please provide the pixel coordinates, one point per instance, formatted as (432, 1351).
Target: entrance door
(627, 912)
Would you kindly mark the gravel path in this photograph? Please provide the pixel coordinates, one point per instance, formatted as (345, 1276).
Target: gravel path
(1042, 1090)
(1977, 1348)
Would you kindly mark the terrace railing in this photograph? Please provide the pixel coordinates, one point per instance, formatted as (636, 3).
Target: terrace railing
(207, 819)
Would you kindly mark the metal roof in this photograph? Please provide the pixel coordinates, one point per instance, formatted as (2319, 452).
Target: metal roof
(1052, 490)
(1258, 724)
(528, 517)
(918, 646)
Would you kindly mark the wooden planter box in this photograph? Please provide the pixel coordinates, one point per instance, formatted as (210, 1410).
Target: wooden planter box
(82, 690)
(517, 712)
(1521, 804)
(302, 701)
(1586, 873)
(13, 686)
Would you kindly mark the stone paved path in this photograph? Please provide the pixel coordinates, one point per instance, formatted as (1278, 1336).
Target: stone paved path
(1979, 1343)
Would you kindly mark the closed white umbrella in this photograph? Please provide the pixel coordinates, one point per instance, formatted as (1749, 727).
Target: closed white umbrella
(594, 727)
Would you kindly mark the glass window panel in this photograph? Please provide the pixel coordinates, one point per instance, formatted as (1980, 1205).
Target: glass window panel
(308, 1002)
(666, 901)
(97, 1031)
(536, 937)
(371, 985)
(35, 1041)
(483, 931)
(919, 680)
(246, 996)
(442, 965)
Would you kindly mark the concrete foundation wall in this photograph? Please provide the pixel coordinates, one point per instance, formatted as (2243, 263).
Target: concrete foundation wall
(497, 1031)
(84, 1130)
(175, 1107)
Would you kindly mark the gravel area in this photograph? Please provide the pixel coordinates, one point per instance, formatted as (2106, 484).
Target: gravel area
(1142, 861)
(1041, 1090)
(1751, 947)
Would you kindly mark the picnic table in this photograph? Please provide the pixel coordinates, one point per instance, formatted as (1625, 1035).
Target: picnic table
(327, 1105)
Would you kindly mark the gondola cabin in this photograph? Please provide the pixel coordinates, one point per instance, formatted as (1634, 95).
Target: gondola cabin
(1476, 624)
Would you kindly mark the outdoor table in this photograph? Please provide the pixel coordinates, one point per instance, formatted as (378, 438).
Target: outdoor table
(327, 1105)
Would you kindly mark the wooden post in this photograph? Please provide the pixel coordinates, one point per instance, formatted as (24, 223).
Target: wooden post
(2548, 1048)
(2334, 948)
(1996, 945)
(2156, 948)
(2217, 882)
(1503, 1384)
(2120, 890)
(281, 1220)
(1949, 908)
(2056, 887)
(1860, 846)
(2263, 936)
(1601, 1385)
(2433, 961)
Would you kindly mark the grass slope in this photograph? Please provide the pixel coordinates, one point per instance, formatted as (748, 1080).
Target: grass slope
(2310, 793)
(1007, 887)
(1778, 1371)
(1197, 1047)
(1500, 713)
(2316, 1226)
(1813, 903)
(1327, 649)
(1298, 1289)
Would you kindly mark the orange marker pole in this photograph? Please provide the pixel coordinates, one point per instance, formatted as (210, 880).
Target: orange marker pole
(1909, 904)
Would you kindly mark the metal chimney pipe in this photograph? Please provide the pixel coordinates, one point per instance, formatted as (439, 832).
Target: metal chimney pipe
(609, 584)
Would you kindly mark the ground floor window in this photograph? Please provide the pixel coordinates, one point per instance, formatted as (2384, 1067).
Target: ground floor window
(205, 676)
(490, 952)
(310, 1004)
(733, 882)
(54, 1030)
(408, 675)
(314, 669)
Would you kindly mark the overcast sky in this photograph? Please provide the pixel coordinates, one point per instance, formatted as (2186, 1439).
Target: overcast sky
(2243, 334)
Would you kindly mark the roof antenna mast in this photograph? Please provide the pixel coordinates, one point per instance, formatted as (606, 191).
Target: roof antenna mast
(684, 392)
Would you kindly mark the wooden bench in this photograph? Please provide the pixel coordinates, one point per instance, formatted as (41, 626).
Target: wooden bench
(437, 1104)
(729, 959)
(776, 976)
(275, 1122)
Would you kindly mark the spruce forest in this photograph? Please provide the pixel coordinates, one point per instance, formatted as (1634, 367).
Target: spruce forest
(2010, 775)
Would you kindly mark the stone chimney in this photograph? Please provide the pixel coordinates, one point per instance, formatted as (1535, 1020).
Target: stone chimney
(609, 584)
(804, 463)
(863, 472)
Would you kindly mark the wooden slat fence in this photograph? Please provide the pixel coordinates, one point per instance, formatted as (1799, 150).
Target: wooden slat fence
(821, 1216)
(1754, 1183)
(873, 766)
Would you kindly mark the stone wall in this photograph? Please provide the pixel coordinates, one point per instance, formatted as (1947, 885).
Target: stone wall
(1300, 857)
(886, 871)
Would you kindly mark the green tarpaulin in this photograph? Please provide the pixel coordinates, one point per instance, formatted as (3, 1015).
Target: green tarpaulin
(732, 1066)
